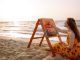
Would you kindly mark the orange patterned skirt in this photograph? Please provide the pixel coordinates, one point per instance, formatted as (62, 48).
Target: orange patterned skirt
(61, 48)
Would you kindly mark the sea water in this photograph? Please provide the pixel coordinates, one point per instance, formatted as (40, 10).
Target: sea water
(24, 29)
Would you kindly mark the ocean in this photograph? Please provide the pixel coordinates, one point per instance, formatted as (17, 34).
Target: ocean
(24, 29)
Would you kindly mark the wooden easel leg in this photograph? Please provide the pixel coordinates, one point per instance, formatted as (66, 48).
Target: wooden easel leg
(35, 29)
(51, 48)
(41, 40)
(59, 38)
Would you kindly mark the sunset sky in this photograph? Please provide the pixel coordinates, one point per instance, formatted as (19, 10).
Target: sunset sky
(18, 10)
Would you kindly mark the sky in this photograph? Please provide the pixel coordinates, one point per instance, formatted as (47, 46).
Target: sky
(31, 10)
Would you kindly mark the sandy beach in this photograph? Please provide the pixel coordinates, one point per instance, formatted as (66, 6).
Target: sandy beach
(14, 41)
(16, 49)
(23, 20)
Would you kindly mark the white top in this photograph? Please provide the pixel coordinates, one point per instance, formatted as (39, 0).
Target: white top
(71, 36)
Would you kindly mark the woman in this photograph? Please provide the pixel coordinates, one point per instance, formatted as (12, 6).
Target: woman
(72, 49)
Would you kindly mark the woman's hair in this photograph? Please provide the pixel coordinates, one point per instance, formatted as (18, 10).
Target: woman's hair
(72, 24)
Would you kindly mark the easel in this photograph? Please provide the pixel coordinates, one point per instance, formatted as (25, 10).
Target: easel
(41, 22)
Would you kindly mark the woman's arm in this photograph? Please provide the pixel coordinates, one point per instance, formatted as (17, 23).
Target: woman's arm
(72, 38)
(62, 30)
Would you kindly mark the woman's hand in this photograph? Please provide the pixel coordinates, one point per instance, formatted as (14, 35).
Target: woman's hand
(70, 47)
(62, 42)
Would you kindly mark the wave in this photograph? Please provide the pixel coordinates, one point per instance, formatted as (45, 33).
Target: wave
(25, 27)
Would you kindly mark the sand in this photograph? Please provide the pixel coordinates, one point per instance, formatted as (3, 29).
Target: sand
(12, 49)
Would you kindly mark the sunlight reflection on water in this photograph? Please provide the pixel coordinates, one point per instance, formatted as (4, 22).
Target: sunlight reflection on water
(22, 29)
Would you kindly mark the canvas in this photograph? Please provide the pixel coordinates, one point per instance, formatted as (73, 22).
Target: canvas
(49, 30)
